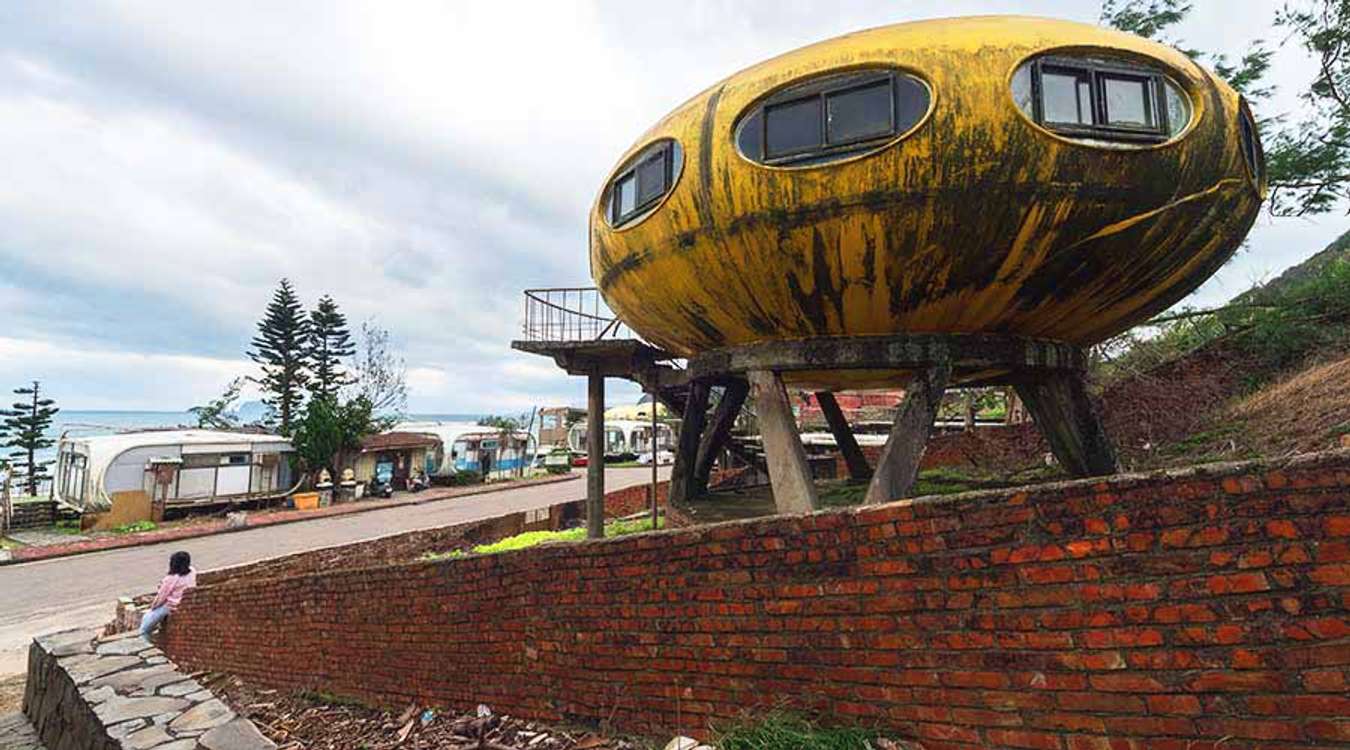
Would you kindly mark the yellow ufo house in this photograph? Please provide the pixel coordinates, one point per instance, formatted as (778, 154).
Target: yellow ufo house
(969, 200)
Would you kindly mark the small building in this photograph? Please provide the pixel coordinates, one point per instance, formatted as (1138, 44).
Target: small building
(395, 457)
(554, 423)
(179, 467)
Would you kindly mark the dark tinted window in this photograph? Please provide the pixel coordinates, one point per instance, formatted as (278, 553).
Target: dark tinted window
(791, 127)
(832, 117)
(651, 178)
(1100, 99)
(1251, 144)
(864, 112)
(643, 181)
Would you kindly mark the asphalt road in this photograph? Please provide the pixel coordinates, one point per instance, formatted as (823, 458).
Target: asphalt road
(82, 591)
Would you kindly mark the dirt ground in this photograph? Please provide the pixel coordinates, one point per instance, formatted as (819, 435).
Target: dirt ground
(315, 721)
(11, 693)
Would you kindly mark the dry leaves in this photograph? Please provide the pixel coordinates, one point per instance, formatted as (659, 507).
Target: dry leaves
(308, 721)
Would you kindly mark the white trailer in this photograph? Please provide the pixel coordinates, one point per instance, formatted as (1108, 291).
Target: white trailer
(191, 467)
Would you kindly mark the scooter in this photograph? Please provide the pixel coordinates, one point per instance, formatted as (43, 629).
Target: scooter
(378, 487)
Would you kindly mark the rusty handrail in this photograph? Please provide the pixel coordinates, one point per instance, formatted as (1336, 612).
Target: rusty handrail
(570, 314)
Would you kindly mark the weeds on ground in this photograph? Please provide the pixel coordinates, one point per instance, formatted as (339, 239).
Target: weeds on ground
(785, 731)
(939, 481)
(533, 538)
(135, 526)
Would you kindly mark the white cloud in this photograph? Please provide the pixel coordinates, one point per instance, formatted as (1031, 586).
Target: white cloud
(421, 161)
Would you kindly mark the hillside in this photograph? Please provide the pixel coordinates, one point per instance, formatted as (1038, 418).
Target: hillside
(1268, 374)
(1337, 251)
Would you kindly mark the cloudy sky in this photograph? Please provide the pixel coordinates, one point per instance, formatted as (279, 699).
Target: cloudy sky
(166, 162)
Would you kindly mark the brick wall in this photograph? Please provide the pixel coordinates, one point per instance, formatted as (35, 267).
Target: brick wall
(1200, 609)
(394, 548)
(635, 499)
(409, 545)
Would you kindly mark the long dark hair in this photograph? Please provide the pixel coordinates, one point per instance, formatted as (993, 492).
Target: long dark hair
(180, 564)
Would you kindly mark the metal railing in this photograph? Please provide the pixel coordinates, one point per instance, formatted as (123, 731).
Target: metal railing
(571, 314)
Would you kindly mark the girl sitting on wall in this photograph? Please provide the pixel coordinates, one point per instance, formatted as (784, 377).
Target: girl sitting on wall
(181, 577)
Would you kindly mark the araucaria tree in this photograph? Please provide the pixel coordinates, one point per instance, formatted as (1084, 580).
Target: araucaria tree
(329, 342)
(26, 431)
(282, 349)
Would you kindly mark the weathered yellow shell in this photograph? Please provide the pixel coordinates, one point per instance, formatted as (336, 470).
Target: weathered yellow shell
(978, 221)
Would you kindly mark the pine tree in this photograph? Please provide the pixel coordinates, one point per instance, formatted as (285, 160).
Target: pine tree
(329, 342)
(26, 430)
(281, 349)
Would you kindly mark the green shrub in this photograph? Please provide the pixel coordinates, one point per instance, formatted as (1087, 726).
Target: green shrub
(133, 527)
(785, 731)
(464, 477)
(533, 538)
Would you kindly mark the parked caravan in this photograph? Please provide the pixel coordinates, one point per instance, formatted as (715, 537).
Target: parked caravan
(437, 462)
(182, 467)
(487, 451)
(624, 438)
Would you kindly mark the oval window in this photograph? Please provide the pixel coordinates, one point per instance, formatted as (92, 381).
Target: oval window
(1103, 100)
(832, 117)
(642, 181)
(1251, 143)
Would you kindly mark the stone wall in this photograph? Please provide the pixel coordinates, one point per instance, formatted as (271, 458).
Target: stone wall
(91, 693)
(52, 702)
(1207, 608)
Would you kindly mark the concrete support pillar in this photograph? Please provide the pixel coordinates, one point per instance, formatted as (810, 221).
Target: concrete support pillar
(682, 483)
(789, 473)
(717, 432)
(595, 456)
(1065, 414)
(858, 470)
(898, 466)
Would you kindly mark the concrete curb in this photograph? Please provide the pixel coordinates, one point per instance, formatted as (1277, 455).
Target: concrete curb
(34, 554)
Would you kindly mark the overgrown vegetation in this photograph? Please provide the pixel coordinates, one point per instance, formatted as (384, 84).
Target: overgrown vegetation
(787, 731)
(1266, 330)
(135, 526)
(535, 538)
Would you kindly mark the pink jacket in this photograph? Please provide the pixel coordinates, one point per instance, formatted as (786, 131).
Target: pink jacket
(172, 588)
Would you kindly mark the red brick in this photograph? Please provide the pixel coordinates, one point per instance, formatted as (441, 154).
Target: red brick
(1025, 738)
(1238, 583)
(972, 627)
(1181, 705)
(1328, 730)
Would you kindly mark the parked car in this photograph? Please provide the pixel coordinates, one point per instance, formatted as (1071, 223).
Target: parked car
(662, 458)
(580, 459)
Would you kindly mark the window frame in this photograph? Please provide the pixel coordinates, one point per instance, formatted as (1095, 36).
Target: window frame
(834, 85)
(1097, 73)
(664, 151)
